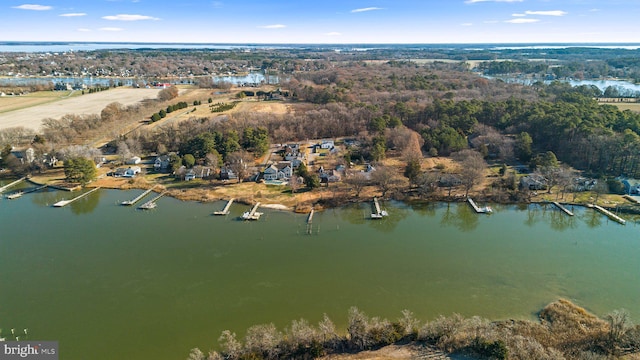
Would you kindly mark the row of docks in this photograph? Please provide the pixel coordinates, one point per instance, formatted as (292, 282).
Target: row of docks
(253, 214)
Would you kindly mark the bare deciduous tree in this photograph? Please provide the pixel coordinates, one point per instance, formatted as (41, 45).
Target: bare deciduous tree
(357, 181)
(473, 168)
(239, 163)
(385, 178)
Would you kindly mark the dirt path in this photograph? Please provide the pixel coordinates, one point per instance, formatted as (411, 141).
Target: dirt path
(399, 352)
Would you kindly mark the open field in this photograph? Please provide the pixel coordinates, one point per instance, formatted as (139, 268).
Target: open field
(31, 117)
(11, 103)
(626, 106)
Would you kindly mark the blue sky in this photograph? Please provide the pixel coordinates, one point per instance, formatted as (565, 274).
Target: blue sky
(326, 21)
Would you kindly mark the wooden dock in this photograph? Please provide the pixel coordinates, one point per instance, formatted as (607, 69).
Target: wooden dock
(2, 189)
(561, 207)
(62, 203)
(253, 214)
(136, 199)
(151, 204)
(225, 211)
(15, 195)
(378, 214)
(611, 215)
(310, 217)
(479, 210)
(19, 194)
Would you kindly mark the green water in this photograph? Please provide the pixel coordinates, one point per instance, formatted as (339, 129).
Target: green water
(112, 282)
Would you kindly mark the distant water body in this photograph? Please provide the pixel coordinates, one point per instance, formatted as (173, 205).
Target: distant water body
(31, 47)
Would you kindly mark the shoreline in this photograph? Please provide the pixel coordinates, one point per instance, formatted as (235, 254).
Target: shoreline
(208, 195)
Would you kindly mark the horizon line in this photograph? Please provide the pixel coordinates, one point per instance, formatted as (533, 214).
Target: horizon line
(312, 43)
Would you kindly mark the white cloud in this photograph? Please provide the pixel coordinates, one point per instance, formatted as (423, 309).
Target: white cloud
(518, 15)
(467, 24)
(522, 21)
(477, 1)
(33, 7)
(274, 26)
(365, 9)
(547, 13)
(594, 10)
(128, 17)
(333, 33)
(84, 30)
(111, 29)
(217, 4)
(491, 21)
(73, 14)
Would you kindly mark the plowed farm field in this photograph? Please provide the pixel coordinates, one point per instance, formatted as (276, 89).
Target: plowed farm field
(31, 116)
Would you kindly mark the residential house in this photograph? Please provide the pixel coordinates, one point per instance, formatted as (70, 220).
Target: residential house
(533, 182)
(162, 163)
(190, 175)
(26, 156)
(226, 173)
(133, 161)
(327, 144)
(132, 171)
(631, 186)
(279, 171)
(199, 172)
(119, 172)
(294, 155)
(584, 184)
(270, 173)
(285, 170)
(327, 176)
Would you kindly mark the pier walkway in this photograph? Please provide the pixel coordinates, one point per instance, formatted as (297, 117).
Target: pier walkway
(2, 189)
(479, 210)
(561, 207)
(225, 211)
(253, 214)
(378, 214)
(136, 199)
(18, 194)
(611, 215)
(62, 203)
(151, 204)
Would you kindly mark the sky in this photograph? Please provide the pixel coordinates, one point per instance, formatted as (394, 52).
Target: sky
(323, 22)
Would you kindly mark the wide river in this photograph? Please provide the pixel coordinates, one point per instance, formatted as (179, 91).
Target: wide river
(111, 282)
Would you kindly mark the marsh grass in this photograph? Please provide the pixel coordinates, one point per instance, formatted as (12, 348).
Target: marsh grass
(564, 331)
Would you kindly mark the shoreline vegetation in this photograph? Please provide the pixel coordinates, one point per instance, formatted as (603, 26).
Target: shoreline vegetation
(248, 193)
(563, 331)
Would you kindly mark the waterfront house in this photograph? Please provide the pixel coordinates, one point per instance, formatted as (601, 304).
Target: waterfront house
(26, 156)
(119, 172)
(285, 170)
(226, 173)
(132, 171)
(270, 173)
(190, 175)
(631, 186)
(161, 163)
(533, 182)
